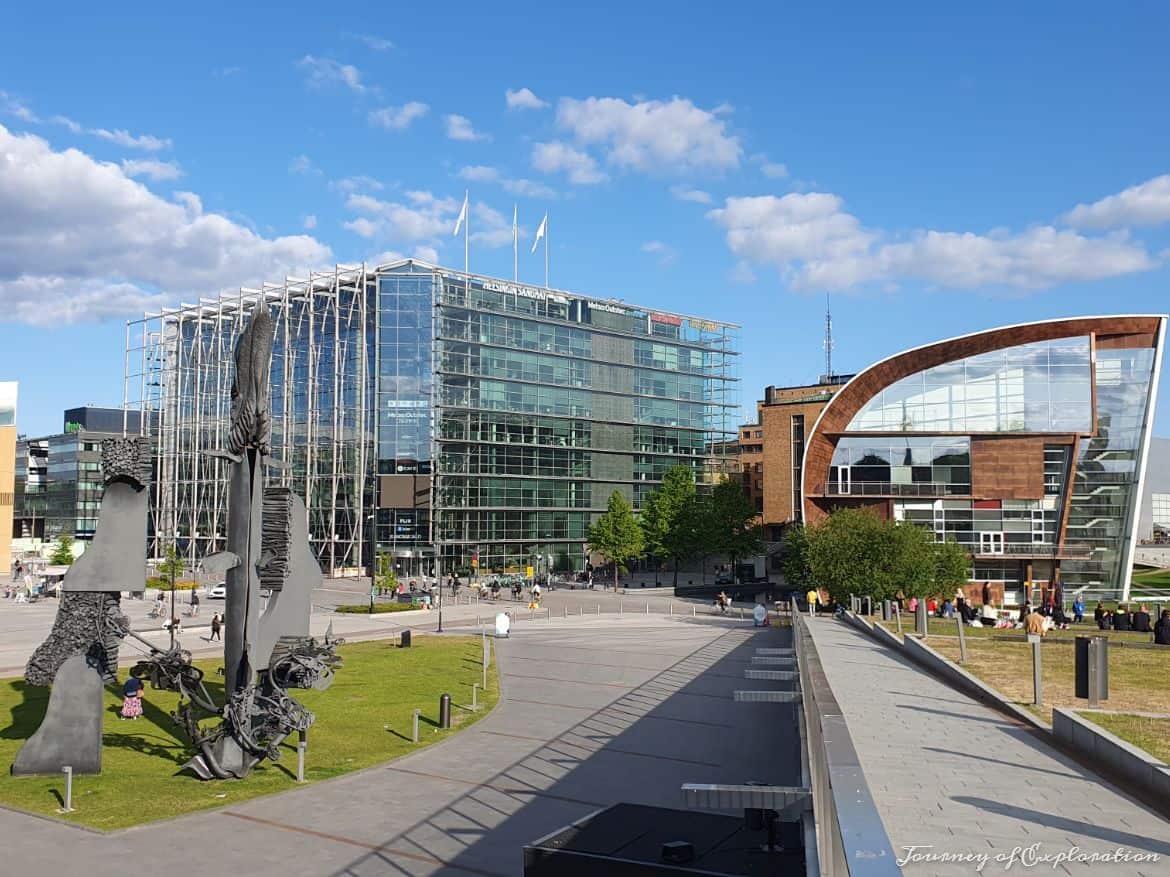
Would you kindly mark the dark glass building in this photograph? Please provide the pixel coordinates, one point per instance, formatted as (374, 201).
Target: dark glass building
(1027, 445)
(527, 406)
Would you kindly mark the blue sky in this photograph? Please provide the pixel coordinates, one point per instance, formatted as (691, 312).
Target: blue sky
(938, 171)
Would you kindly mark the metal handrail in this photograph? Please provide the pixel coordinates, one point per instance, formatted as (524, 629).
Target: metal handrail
(892, 488)
(851, 839)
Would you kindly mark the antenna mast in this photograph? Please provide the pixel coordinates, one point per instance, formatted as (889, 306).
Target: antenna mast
(828, 339)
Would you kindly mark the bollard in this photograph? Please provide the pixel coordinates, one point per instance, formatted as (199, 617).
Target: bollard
(1037, 693)
(647, 612)
(302, 744)
(404, 640)
(621, 607)
(694, 611)
(672, 609)
(549, 616)
(886, 610)
(920, 618)
(962, 641)
(564, 612)
(898, 618)
(474, 697)
(598, 608)
(741, 613)
(445, 711)
(414, 727)
(68, 808)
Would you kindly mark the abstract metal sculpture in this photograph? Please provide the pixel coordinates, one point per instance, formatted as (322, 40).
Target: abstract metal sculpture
(81, 651)
(265, 653)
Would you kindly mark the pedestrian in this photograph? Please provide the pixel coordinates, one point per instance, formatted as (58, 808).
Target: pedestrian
(216, 626)
(760, 615)
(1078, 609)
(194, 603)
(987, 593)
(721, 601)
(1162, 629)
(131, 699)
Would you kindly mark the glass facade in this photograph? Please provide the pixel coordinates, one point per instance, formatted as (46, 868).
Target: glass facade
(1028, 455)
(1040, 387)
(538, 404)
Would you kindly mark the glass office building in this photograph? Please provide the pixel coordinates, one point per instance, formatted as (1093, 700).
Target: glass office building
(526, 406)
(1027, 445)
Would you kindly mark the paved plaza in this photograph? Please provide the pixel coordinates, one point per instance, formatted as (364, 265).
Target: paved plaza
(950, 772)
(594, 710)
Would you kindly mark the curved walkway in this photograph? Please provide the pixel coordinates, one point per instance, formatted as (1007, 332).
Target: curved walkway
(593, 712)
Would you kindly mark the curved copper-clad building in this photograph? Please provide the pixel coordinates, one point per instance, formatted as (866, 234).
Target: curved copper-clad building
(1027, 444)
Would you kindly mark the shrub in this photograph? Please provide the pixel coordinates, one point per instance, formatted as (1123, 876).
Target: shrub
(379, 608)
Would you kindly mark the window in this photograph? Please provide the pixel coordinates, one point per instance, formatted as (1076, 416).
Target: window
(797, 465)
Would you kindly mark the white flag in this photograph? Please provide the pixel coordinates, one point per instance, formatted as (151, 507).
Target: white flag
(540, 232)
(462, 216)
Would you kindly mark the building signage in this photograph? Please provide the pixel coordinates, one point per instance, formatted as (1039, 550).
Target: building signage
(525, 291)
(665, 318)
(609, 309)
(703, 325)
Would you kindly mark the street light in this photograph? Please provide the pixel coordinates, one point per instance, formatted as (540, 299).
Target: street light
(373, 559)
(174, 560)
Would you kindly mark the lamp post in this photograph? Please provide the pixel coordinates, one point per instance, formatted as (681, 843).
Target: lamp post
(373, 558)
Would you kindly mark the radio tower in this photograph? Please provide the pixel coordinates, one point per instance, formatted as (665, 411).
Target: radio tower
(828, 340)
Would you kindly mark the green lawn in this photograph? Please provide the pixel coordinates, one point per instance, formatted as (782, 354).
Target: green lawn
(1150, 734)
(949, 627)
(1156, 579)
(362, 720)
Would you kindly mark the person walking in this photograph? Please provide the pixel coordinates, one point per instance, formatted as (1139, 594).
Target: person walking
(216, 626)
(987, 593)
(131, 699)
(1078, 609)
(194, 603)
(813, 597)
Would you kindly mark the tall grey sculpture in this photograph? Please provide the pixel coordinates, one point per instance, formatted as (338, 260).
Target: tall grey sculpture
(265, 653)
(81, 651)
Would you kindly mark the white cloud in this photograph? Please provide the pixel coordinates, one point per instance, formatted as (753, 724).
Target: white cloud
(490, 228)
(398, 118)
(460, 128)
(523, 99)
(224, 72)
(302, 164)
(817, 244)
(665, 253)
(310, 222)
(359, 182)
(426, 254)
(81, 240)
(425, 219)
(557, 156)
(326, 71)
(773, 170)
(371, 41)
(652, 135)
(686, 193)
(151, 169)
(148, 142)
(478, 173)
(1147, 203)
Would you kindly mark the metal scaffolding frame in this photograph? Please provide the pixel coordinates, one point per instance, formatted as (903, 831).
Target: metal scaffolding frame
(178, 372)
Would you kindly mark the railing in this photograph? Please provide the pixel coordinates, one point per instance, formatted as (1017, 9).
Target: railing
(892, 488)
(1038, 549)
(851, 840)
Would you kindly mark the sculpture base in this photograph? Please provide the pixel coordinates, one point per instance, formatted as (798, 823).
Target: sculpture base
(71, 732)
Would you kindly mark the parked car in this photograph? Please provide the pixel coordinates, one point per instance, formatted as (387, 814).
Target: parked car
(724, 578)
(218, 592)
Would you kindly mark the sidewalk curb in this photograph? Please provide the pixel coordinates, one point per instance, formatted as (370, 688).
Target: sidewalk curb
(1093, 744)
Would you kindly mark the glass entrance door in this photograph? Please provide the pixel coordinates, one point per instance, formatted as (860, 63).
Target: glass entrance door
(844, 477)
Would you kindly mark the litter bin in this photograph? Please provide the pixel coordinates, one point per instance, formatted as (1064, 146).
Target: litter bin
(1081, 669)
(405, 641)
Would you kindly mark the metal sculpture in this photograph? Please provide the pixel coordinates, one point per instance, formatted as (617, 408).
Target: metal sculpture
(81, 651)
(267, 647)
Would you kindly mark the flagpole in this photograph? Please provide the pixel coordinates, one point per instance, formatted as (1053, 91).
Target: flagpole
(515, 248)
(547, 238)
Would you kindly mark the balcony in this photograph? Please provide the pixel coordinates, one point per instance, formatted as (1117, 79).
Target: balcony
(1046, 550)
(890, 488)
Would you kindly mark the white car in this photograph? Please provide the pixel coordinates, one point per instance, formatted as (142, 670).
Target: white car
(218, 592)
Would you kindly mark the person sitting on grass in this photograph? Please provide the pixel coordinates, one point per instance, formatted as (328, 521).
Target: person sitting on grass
(1099, 613)
(947, 611)
(1141, 620)
(1122, 620)
(1104, 619)
(1162, 629)
(988, 616)
(1036, 624)
(131, 699)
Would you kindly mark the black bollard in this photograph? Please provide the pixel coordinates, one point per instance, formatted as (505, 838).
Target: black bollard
(405, 641)
(445, 711)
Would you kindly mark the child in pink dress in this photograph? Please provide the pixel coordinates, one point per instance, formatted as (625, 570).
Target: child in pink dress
(132, 698)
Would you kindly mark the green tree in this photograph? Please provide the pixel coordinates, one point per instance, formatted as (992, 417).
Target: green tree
(734, 529)
(63, 551)
(794, 559)
(172, 566)
(617, 535)
(385, 579)
(664, 525)
(952, 566)
(910, 561)
(845, 554)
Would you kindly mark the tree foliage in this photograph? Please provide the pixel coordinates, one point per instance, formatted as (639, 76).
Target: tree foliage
(617, 535)
(669, 533)
(385, 578)
(733, 528)
(794, 557)
(854, 552)
(173, 565)
(63, 551)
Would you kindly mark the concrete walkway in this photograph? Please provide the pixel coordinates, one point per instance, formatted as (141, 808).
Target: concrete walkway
(594, 711)
(949, 772)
